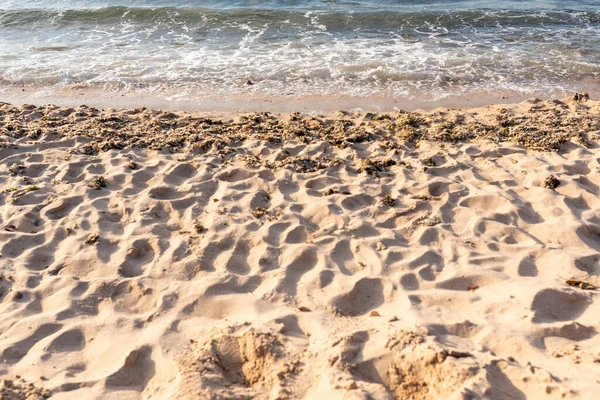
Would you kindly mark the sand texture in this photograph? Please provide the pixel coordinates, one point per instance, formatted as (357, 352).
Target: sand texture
(443, 255)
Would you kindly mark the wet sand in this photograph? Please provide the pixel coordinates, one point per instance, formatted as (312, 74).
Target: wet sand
(252, 98)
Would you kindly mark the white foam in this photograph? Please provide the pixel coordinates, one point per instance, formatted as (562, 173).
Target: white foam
(300, 55)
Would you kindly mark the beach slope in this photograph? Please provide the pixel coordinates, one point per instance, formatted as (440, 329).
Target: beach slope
(448, 254)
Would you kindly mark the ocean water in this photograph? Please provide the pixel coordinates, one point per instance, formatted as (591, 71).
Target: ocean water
(409, 49)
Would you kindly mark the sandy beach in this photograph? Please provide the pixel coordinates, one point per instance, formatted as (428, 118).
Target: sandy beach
(450, 254)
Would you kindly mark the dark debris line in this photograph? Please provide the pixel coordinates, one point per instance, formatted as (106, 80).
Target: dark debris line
(546, 129)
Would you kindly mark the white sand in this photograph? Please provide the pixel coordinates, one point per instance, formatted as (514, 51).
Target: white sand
(457, 290)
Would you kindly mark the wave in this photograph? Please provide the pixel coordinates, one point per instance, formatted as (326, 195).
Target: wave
(307, 4)
(354, 48)
(333, 20)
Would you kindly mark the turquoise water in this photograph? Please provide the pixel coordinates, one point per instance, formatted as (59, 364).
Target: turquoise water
(405, 49)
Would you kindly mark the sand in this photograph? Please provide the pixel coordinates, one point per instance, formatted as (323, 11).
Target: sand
(451, 254)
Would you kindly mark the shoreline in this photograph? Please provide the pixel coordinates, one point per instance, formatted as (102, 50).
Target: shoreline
(248, 101)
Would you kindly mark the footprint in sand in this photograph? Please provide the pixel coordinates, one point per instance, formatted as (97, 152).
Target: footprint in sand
(138, 256)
